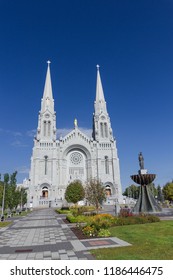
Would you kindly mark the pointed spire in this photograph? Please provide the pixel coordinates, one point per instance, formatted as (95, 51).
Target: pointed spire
(47, 101)
(48, 86)
(100, 103)
(99, 88)
(101, 121)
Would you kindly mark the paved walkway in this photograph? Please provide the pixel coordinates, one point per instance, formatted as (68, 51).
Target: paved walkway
(42, 234)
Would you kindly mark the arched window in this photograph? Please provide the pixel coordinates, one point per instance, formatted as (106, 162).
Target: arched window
(45, 169)
(106, 165)
(49, 123)
(106, 130)
(101, 130)
(44, 128)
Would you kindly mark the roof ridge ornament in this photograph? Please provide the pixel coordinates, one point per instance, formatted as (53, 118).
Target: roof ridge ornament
(75, 123)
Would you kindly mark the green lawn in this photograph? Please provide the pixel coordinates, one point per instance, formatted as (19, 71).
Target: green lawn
(4, 224)
(149, 242)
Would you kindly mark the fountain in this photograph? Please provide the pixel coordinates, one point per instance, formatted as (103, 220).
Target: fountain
(146, 202)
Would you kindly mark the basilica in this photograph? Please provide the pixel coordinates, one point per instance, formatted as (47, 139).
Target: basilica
(57, 162)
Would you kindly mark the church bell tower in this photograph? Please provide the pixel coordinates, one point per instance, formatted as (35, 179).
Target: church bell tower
(102, 130)
(47, 117)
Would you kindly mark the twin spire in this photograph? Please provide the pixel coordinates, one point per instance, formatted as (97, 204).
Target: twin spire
(99, 88)
(48, 102)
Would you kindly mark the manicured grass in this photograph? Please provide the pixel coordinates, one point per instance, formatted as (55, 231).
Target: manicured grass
(4, 224)
(23, 213)
(152, 241)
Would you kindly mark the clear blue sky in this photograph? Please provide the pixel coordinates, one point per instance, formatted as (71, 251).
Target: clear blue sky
(131, 40)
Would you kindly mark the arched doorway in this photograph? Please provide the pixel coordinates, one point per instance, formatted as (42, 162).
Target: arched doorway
(45, 192)
(108, 190)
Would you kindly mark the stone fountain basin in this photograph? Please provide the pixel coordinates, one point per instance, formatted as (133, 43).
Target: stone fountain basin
(143, 179)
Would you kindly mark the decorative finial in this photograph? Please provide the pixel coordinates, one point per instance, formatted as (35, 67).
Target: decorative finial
(98, 66)
(75, 122)
(48, 62)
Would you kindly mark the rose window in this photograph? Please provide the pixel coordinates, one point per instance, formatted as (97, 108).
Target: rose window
(76, 158)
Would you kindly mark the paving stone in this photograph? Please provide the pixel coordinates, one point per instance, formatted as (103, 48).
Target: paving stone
(70, 253)
(22, 257)
(39, 256)
(47, 254)
(62, 251)
(55, 256)
(12, 257)
(64, 257)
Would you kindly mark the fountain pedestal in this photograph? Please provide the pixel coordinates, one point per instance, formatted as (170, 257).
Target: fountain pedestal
(146, 201)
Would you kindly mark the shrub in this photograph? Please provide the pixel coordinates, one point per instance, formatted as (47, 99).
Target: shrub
(79, 210)
(61, 211)
(125, 212)
(104, 233)
(153, 219)
(102, 221)
(71, 218)
(138, 219)
(89, 231)
(65, 208)
(76, 219)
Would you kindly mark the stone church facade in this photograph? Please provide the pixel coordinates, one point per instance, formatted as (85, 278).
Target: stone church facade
(57, 162)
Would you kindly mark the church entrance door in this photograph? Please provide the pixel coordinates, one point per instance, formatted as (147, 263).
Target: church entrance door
(45, 192)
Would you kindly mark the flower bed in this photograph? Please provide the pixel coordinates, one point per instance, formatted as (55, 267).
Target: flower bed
(98, 225)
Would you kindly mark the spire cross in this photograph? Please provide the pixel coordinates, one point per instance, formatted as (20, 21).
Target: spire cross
(48, 62)
(98, 66)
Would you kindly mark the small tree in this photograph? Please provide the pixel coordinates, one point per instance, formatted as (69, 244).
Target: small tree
(10, 190)
(1, 192)
(74, 192)
(23, 196)
(168, 191)
(160, 195)
(132, 191)
(95, 193)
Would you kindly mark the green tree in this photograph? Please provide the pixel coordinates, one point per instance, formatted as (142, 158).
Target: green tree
(1, 192)
(5, 185)
(13, 195)
(132, 191)
(23, 196)
(153, 189)
(74, 192)
(10, 195)
(16, 198)
(159, 193)
(168, 191)
(95, 193)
